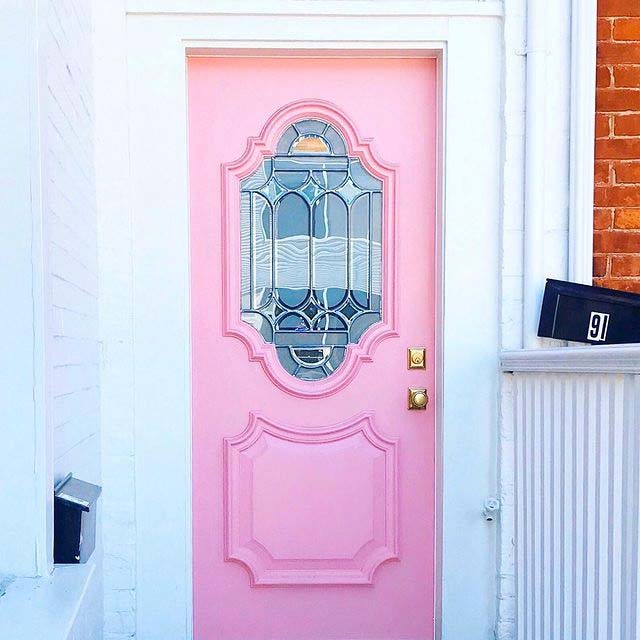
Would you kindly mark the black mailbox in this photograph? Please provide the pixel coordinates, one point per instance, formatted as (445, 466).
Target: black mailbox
(74, 520)
(580, 313)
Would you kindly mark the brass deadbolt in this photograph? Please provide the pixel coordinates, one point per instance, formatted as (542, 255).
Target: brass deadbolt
(418, 398)
(416, 358)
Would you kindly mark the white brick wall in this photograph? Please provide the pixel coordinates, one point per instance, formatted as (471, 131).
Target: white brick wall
(70, 234)
(49, 373)
(70, 243)
(514, 42)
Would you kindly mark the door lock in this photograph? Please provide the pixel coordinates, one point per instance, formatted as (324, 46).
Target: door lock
(418, 398)
(416, 358)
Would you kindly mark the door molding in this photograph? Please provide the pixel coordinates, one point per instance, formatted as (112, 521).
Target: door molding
(258, 148)
(263, 565)
(467, 46)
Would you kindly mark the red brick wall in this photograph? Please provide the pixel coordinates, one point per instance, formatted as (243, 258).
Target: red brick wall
(616, 238)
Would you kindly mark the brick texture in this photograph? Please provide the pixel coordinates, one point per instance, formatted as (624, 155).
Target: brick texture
(616, 261)
(69, 210)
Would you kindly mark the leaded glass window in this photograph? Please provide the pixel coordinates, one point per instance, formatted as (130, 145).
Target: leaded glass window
(311, 245)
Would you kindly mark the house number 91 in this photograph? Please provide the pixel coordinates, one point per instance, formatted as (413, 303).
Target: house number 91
(598, 325)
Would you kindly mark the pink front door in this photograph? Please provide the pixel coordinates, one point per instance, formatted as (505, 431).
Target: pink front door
(313, 262)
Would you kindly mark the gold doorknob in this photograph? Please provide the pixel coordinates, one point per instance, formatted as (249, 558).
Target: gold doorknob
(418, 398)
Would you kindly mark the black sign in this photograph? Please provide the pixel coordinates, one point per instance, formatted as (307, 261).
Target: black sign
(580, 313)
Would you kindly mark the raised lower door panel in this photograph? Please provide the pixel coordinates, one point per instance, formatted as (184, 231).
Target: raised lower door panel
(289, 518)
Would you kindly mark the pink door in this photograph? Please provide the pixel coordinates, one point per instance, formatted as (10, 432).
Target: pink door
(313, 261)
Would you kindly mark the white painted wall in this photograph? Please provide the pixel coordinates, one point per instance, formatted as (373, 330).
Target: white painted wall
(70, 234)
(25, 450)
(514, 43)
(48, 371)
(116, 321)
(470, 340)
(51, 375)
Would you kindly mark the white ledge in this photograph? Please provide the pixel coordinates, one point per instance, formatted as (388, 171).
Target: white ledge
(328, 8)
(624, 358)
(47, 607)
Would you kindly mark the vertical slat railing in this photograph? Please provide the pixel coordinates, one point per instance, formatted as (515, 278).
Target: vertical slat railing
(571, 495)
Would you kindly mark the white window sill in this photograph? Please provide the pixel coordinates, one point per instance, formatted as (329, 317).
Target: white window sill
(34, 608)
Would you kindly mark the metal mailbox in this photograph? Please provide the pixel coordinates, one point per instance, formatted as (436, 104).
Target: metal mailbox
(74, 520)
(581, 313)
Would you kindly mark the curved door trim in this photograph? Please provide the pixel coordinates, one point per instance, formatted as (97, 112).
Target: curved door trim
(232, 173)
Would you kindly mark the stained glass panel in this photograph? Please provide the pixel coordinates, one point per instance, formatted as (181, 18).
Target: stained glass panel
(311, 244)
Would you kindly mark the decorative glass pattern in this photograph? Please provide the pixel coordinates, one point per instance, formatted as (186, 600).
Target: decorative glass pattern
(311, 244)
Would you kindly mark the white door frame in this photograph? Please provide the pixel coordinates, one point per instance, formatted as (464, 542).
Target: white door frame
(466, 36)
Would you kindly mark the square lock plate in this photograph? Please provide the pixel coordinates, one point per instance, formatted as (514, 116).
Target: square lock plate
(416, 358)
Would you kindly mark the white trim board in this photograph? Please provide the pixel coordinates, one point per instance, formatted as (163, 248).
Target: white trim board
(156, 65)
(623, 358)
(330, 8)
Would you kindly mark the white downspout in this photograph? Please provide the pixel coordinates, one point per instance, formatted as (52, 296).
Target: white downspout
(534, 189)
(583, 98)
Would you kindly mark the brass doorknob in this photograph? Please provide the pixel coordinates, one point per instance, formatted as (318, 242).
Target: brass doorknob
(418, 398)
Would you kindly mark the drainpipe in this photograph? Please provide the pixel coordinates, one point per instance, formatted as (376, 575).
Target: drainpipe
(583, 99)
(535, 161)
